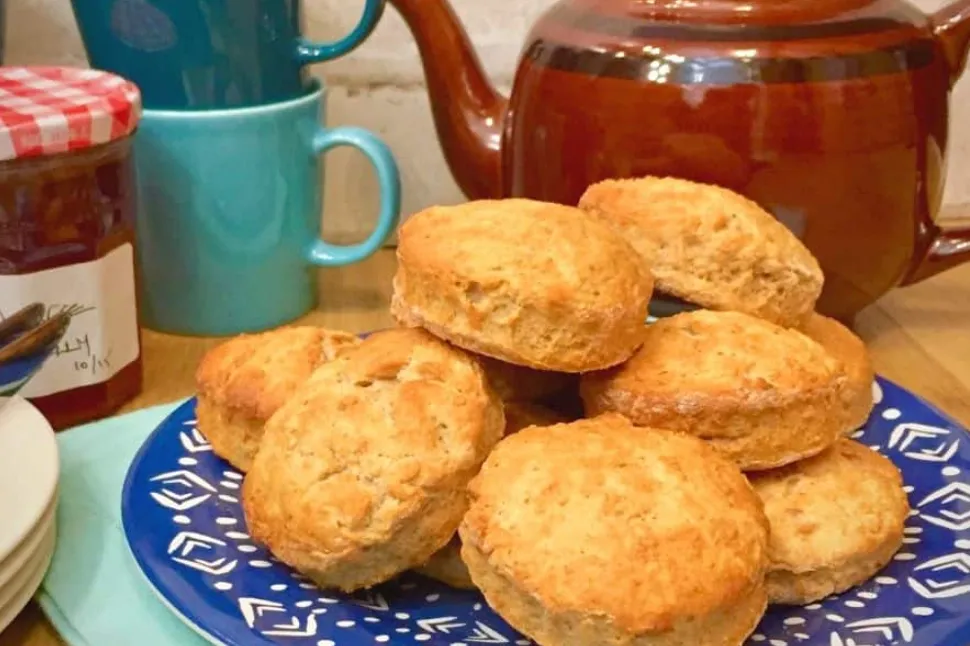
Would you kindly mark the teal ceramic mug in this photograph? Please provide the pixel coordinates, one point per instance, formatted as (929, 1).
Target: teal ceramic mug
(210, 54)
(230, 211)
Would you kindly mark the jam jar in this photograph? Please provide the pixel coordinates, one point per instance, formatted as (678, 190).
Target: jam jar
(67, 209)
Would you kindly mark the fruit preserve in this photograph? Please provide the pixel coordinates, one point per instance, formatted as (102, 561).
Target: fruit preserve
(67, 208)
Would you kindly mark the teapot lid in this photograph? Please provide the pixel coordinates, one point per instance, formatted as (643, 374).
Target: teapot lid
(733, 41)
(868, 14)
(780, 29)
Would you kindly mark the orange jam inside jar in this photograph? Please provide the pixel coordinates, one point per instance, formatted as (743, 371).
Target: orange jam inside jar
(67, 231)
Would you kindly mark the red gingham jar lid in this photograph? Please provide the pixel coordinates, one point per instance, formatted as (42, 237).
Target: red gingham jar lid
(49, 110)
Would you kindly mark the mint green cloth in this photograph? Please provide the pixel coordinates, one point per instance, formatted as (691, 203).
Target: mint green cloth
(93, 593)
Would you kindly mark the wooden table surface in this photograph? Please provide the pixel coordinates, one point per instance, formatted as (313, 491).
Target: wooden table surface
(919, 337)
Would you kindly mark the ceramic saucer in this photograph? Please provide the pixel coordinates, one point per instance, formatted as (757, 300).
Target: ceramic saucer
(29, 468)
(19, 589)
(28, 548)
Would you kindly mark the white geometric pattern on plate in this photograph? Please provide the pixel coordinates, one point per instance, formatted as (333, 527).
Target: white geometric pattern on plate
(889, 630)
(185, 548)
(189, 537)
(943, 577)
(924, 442)
(948, 507)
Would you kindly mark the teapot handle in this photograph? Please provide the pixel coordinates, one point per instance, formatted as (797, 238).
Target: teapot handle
(940, 249)
(951, 26)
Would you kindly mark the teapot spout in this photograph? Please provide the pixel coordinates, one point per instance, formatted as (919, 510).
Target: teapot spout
(469, 113)
(951, 24)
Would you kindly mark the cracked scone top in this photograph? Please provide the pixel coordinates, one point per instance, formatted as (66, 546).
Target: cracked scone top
(243, 381)
(362, 473)
(535, 284)
(762, 394)
(712, 247)
(599, 532)
(836, 519)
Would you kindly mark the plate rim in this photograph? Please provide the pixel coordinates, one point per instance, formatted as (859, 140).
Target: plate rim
(42, 559)
(198, 630)
(36, 536)
(191, 618)
(39, 427)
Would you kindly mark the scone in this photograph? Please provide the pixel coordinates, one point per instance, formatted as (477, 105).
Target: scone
(530, 283)
(362, 473)
(244, 380)
(597, 532)
(518, 383)
(712, 247)
(446, 564)
(836, 520)
(762, 394)
(852, 352)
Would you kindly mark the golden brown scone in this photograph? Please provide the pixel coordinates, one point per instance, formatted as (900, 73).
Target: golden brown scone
(362, 472)
(446, 564)
(843, 344)
(518, 383)
(711, 246)
(836, 519)
(530, 283)
(244, 380)
(598, 532)
(762, 394)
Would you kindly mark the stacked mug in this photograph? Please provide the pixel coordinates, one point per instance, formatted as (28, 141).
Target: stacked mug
(228, 156)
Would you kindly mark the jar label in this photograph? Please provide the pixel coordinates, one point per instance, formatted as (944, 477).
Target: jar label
(103, 335)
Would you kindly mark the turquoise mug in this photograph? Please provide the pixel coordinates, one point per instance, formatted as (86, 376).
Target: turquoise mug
(209, 54)
(229, 216)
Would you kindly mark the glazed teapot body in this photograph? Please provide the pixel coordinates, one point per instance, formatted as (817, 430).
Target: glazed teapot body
(832, 114)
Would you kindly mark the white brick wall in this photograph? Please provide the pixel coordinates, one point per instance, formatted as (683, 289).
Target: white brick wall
(380, 87)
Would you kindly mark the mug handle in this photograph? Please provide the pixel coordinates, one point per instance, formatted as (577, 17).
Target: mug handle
(324, 254)
(308, 51)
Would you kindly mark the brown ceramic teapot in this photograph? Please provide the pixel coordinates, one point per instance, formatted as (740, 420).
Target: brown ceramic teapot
(830, 113)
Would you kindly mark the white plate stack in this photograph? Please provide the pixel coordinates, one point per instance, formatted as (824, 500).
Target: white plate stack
(29, 468)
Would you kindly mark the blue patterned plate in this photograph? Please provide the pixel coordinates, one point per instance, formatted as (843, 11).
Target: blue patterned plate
(185, 527)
